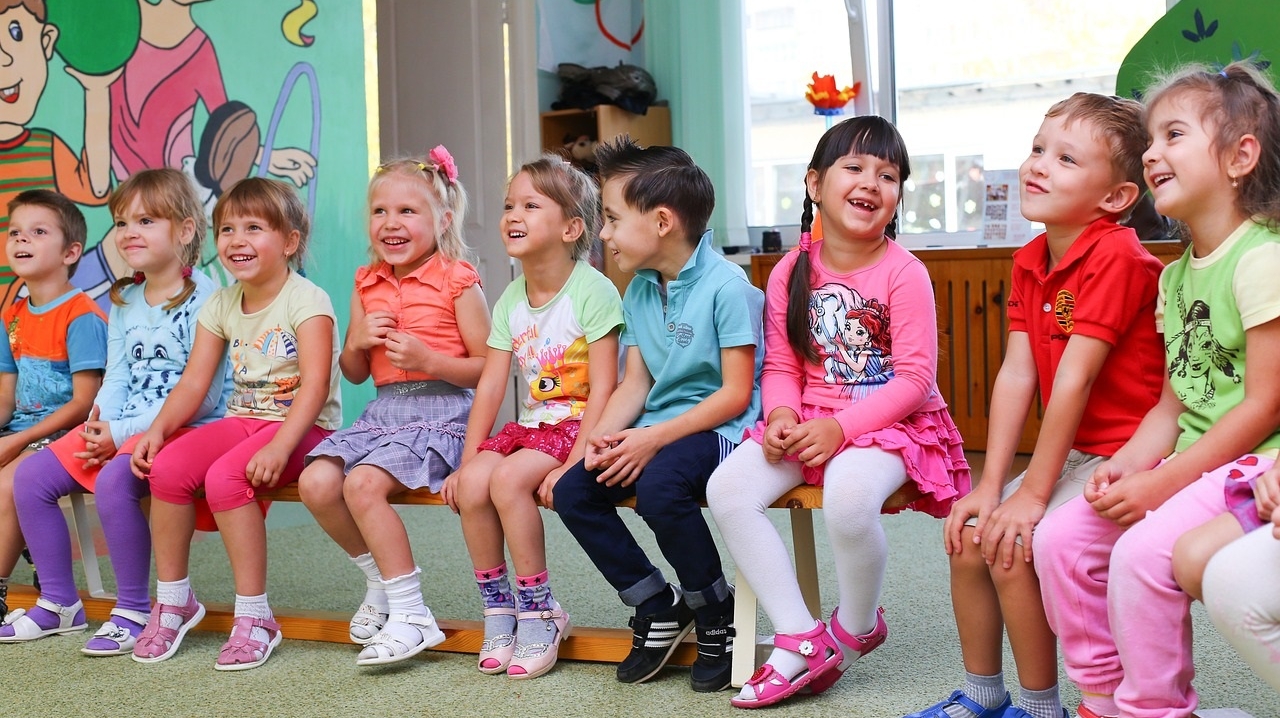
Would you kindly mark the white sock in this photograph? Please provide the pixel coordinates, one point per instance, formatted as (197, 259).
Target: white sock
(374, 594)
(404, 598)
(173, 593)
(255, 607)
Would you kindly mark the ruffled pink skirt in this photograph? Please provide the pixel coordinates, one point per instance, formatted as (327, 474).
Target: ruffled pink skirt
(930, 446)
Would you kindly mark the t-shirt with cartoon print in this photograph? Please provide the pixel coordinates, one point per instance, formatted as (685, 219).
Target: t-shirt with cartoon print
(549, 343)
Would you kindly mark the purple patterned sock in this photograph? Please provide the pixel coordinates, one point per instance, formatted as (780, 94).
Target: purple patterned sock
(495, 590)
(534, 592)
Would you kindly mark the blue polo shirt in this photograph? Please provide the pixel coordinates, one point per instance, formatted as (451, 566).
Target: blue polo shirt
(709, 306)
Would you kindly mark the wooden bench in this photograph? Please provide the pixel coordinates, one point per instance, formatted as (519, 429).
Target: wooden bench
(586, 644)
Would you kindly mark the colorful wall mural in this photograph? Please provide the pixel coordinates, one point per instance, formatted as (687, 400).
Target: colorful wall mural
(92, 91)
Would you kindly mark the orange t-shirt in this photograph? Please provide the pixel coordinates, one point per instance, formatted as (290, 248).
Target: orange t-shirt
(422, 303)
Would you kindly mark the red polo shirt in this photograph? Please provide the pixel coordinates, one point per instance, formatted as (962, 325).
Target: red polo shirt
(1105, 288)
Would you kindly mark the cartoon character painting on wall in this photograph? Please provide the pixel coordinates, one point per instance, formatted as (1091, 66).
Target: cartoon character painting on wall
(36, 158)
(852, 334)
(149, 73)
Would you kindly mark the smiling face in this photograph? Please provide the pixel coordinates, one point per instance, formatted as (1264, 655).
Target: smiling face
(856, 196)
(1183, 168)
(253, 252)
(533, 224)
(36, 246)
(26, 45)
(404, 223)
(149, 243)
(1067, 175)
(631, 235)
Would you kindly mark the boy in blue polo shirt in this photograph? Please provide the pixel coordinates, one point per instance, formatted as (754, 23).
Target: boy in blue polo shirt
(691, 385)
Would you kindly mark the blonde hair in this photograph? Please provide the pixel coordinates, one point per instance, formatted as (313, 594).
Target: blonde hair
(165, 194)
(443, 193)
(573, 190)
(272, 200)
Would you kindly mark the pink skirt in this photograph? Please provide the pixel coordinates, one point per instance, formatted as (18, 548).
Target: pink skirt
(929, 444)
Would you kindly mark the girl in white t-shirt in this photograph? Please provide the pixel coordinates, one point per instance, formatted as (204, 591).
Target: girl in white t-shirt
(560, 323)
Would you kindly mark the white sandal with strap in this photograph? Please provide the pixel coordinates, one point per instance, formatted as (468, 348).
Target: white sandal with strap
(387, 647)
(25, 627)
(110, 632)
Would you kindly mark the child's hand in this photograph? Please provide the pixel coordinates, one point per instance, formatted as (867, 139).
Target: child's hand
(10, 447)
(1016, 517)
(1266, 493)
(977, 503)
(593, 460)
(408, 353)
(814, 441)
(1107, 473)
(449, 492)
(266, 466)
(546, 489)
(775, 437)
(631, 451)
(373, 331)
(144, 453)
(98, 443)
(1127, 502)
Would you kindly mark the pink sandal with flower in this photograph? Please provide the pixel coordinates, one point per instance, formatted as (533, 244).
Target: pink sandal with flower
(821, 654)
(861, 644)
(241, 652)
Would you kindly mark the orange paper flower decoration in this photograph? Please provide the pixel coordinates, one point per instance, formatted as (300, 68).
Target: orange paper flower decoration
(823, 95)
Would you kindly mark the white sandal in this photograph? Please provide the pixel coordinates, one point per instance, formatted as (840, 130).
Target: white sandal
(366, 623)
(25, 627)
(386, 647)
(112, 633)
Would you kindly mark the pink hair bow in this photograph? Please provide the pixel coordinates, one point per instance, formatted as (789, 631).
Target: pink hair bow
(444, 161)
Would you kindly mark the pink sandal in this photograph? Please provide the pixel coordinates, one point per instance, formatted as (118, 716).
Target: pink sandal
(240, 652)
(156, 642)
(500, 648)
(534, 659)
(861, 644)
(821, 654)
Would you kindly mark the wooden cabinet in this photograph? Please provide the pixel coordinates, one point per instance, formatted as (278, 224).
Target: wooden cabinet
(970, 288)
(603, 123)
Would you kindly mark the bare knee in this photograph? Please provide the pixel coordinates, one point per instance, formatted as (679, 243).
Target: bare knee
(474, 488)
(367, 487)
(968, 562)
(320, 485)
(1190, 556)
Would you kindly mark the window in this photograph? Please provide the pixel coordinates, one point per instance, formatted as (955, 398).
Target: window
(971, 83)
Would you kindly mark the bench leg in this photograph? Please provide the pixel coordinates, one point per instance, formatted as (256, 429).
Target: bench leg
(744, 623)
(83, 528)
(806, 559)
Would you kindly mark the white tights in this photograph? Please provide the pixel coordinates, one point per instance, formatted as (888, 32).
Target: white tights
(1242, 593)
(858, 481)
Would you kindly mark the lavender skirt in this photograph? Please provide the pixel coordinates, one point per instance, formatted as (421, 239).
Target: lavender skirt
(412, 431)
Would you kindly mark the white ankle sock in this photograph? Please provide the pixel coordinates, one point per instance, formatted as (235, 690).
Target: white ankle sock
(173, 593)
(255, 607)
(404, 597)
(374, 594)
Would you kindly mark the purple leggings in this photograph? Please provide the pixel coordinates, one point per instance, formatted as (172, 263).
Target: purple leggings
(37, 486)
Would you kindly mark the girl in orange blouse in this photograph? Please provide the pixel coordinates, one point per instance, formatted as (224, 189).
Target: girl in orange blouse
(419, 323)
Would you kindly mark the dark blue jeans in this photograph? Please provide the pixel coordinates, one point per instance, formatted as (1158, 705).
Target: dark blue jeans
(667, 495)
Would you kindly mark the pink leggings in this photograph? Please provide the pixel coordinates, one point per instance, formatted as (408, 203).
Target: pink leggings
(1109, 594)
(213, 457)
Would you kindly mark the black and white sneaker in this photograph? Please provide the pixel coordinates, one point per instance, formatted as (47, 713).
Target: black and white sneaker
(654, 638)
(713, 668)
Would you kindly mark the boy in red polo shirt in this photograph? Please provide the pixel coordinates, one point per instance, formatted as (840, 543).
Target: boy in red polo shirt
(1082, 332)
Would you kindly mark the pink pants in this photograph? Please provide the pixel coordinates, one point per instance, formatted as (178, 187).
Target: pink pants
(214, 456)
(1109, 594)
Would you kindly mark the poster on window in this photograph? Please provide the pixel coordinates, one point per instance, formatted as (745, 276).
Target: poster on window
(1002, 220)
